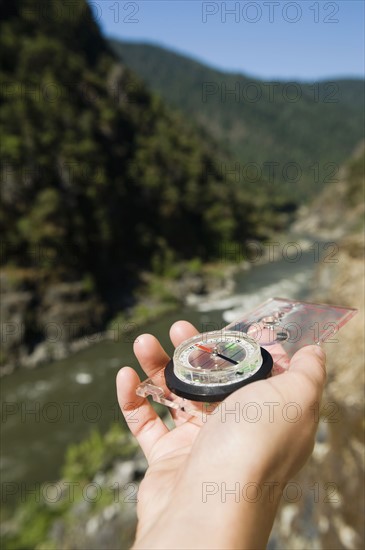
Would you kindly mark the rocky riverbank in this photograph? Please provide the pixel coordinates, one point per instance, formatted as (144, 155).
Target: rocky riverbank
(325, 507)
(40, 326)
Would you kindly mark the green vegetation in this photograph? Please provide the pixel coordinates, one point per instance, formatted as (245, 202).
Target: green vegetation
(163, 291)
(317, 126)
(60, 503)
(97, 453)
(355, 180)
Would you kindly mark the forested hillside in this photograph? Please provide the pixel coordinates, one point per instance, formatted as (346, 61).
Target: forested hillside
(316, 126)
(94, 165)
(99, 178)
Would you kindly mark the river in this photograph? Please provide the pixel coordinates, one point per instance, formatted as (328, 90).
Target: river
(46, 409)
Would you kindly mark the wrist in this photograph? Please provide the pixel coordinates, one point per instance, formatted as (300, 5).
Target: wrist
(211, 514)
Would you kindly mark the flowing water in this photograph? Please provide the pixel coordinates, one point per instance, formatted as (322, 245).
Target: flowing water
(46, 409)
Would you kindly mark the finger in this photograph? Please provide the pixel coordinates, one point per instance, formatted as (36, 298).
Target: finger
(261, 334)
(181, 331)
(150, 354)
(153, 359)
(310, 362)
(141, 418)
(280, 358)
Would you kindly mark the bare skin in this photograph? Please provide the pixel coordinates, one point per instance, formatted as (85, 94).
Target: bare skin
(184, 500)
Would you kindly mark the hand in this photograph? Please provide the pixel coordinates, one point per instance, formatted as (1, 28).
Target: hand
(180, 500)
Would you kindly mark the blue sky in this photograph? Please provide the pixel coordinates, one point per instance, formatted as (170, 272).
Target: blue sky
(303, 40)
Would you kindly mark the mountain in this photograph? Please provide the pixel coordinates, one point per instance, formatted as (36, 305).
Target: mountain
(99, 179)
(90, 158)
(295, 134)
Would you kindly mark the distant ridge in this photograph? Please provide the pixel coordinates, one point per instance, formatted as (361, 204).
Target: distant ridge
(298, 134)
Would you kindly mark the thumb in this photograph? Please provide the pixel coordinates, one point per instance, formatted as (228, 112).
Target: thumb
(310, 362)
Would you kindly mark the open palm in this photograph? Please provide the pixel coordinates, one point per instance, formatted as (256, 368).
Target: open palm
(181, 459)
(166, 451)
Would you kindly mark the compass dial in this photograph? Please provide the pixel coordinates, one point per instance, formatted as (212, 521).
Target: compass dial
(217, 358)
(209, 367)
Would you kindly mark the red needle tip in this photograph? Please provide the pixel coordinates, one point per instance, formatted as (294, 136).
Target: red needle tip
(204, 348)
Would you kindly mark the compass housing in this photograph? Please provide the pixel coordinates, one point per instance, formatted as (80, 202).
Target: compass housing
(211, 366)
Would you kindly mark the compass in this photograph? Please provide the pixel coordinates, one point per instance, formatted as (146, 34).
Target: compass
(210, 366)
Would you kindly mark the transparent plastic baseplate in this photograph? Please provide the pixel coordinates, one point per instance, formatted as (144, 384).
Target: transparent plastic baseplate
(279, 325)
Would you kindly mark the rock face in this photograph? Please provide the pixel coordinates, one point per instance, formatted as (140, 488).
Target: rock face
(70, 310)
(38, 326)
(13, 310)
(41, 323)
(324, 507)
(339, 209)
